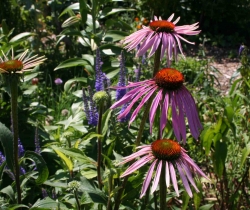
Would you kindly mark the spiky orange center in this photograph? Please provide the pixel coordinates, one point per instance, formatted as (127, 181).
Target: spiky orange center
(11, 65)
(166, 149)
(169, 79)
(162, 26)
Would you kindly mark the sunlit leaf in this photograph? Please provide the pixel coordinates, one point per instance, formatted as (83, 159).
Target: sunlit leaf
(21, 36)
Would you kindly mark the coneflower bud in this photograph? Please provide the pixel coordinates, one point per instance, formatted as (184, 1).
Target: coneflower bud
(100, 98)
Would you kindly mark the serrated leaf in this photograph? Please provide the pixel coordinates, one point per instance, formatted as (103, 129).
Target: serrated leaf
(6, 138)
(245, 153)
(41, 166)
(66, 160)
(21, 36)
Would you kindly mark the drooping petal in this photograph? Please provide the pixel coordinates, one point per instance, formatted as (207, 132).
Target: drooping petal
(148, 179)
(167, 175)
(184, 180)
(157, 177)
(138, 164)
(173, 178)
(154, 107)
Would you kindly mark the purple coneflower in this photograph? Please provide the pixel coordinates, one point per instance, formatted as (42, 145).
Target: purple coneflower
(171, 154)
(19, 65)
(166, 89)
(162, 33)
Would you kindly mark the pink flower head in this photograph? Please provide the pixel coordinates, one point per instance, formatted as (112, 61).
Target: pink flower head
(10, 65)
(171, 154)
(165, 89)
(163, 33)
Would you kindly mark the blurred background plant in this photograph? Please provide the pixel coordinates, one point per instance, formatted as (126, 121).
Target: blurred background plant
(68, 33)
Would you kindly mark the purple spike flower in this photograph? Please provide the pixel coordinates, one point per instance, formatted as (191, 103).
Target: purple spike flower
(137, 73)
(98, 72)
(37, 142)
(93, 113)
(165, 90)
(44, 193)
(20, 148)
(169, 154)
(2, 158)
(86, 104)
(122, 77)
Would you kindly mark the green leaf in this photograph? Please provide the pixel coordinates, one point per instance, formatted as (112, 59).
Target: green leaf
(83, 10)
(207, 139)
(68, 84)
(113, 36)
(105, 121)
(2, 166)
(41, 166)
(76, 154)
(5, 27)
(108, 11)
(95, 194)
(111, 23)
(72, 62)
(16, 206)
(229, 111)
(21, 36)
(245, 153)
(6, 139)
(48, 204)
(206, 207)
(89, 58)
(219, 157)
(185, 200)
(66, 160)
(110, 49)
(75, 6)
(9, 192)
(29, 76)
(218, 125)
(90, 136)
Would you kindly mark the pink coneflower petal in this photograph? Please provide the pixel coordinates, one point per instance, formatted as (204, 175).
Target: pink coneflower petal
(166, 89)
(157, 177)
(154, 107)
(147, 179)
(160, 32)
(169, 152)
(173, 178)
(184, 180)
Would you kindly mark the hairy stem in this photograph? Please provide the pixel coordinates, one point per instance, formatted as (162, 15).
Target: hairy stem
(14, 116)
(77, 200)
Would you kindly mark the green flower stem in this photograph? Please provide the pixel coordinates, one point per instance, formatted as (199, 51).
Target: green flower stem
(157, 59)
(14, 116)
(77, 200)
(143, 121)
(163, 189)
(99, 147)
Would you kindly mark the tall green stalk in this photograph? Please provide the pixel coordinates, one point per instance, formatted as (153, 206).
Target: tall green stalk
(14, 116)
(99, 147)
(163, 189)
